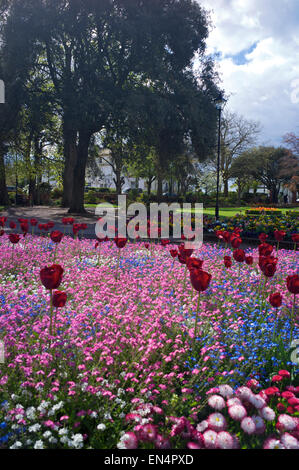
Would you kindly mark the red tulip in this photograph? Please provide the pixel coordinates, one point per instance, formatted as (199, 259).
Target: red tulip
(56, 236)
(268, 265)
(33, 222)
(83, 226)
(147, 245)
(23, 221)
(24, 227)
(263, 237)
(265, 249)
(226, 236)
(293, 284)
(236, 242)
(43, 227)
(2, 221)
(227, 261)
(263, 260)
(295, 237)
(50, 224)
(12, 225)
(275, 299)
(249, 260)
(194, 263)
(239, 255)
(120, 242)
(51, 277)
(184, 251)
(200, 279)
(14, 238)
(173, 253)
(59, 299)
(279, 235)
(165, 242)
(76, 228)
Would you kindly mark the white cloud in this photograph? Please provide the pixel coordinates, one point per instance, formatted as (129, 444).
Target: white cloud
(262, 88)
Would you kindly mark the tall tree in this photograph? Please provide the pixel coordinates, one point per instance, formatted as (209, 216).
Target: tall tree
(237, 135)
(92, 50)
(272, 167)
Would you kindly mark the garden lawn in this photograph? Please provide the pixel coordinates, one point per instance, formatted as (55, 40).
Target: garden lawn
(123, 369)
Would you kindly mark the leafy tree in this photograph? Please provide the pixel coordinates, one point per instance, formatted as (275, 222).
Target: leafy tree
(237, 135)
(272, 167)
(93, 50)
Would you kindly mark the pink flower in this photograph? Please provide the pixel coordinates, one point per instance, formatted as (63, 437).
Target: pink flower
(244, 393)
(286, 422)
(147, 432)
(202, 426)
(237, 412)
(128, 441)
(216, 402)
(267, 413)
(284, 373)
(226, 391)
(217, 422)
(257, 401)
(193, 445)
(289, 441)
(210, 439)
(225, 441)
(273, 443)
(248, 425)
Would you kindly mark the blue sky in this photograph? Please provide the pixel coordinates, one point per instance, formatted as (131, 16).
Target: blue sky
(258, 46)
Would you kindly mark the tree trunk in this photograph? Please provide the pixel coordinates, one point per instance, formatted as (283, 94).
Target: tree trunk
(70, 159)
(118, 181)
(294, 196)
(225, 183)
(77, 200)
(239, 193)
(37, 165)
(4, 200)
(149, 186)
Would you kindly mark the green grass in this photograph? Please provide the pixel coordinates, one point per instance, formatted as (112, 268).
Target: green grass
(93, 206)
(232, 211)
(223, 211)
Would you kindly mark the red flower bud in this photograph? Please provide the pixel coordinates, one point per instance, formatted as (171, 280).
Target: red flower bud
(239, 255)
(275, 299)
(200, 279)
(249, 260)
(293, 284)
(56, 236)
(14, 238)
(59, 299)
(227, 261)
(279, 235)
(194, 263)
(51, 277)
(120, 242)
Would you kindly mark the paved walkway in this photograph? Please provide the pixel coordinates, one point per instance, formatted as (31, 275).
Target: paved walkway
(55, 214)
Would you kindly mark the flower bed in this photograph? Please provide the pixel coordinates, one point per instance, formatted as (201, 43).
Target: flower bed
(134, 357)
(253, 226)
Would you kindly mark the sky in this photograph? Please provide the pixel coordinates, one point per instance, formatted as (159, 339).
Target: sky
(258, 46)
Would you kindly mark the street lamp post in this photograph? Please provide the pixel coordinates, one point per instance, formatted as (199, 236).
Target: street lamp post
(220, 102)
